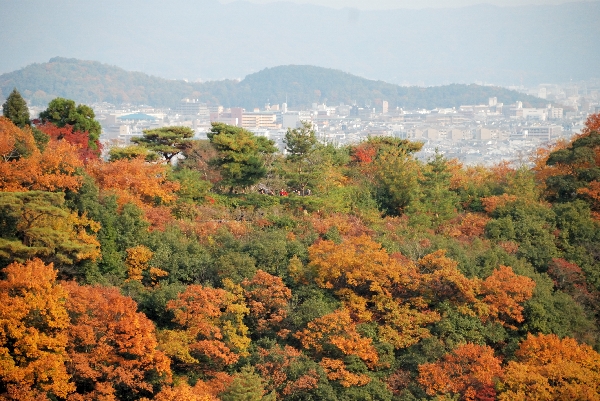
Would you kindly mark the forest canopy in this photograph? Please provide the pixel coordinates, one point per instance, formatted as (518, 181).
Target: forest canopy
(332, 273)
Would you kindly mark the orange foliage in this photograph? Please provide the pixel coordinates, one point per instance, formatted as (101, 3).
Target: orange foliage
(33, 333)
(503, 293)
(470, 370)
(134, 181)
(548, 368)
(336, 370)
(441, 280)
(363, 153)
(491, 203)
(347, 225)
(53, 169)
(267, 297)
(111, 344)
(372, 286)
(467, 226)
(211, 320)
(184, 392)
(80, 140)
(591, 124)
(337, 329)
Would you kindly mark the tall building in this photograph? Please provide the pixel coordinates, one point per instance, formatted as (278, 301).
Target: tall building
(386, 107)
(192, 107)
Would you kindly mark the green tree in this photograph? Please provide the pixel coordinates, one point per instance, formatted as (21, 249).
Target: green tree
(132, 152)
(61, 112)
(16, 110)
(36, 224)
(300, 144)
(437, 201)
(168, 142)
(241, 155)
(247, 386)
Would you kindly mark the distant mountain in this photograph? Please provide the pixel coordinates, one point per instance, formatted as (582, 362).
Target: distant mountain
(91, 81)
(209, 40)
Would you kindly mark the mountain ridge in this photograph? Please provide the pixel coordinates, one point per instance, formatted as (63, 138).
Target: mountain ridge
(91, 81)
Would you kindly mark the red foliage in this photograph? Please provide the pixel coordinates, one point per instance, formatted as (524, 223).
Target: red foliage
(79, 139)
(363, 153)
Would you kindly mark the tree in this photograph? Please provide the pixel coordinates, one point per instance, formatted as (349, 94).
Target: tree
(267, 297)
(24, 167)
(300, 143)
(209, 326)
(112, 347)
(36, 224)
(246, 386)
(168, 142)
(373, 286)
(62, 112)
(16, 110)
(331, 338)
(132, 152)
(550, 368)
(437, 201)
(33, 334)
(134, 181)
(469, 371)
(68, 134)
(241, 155)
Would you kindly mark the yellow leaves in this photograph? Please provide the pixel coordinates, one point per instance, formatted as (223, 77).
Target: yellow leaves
(552, 369)
(33, 331)
(138, 269)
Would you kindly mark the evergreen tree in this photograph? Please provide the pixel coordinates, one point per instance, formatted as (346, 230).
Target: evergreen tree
(16, 110)
(246, 386)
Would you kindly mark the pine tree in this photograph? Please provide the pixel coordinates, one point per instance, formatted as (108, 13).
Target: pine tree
(16, 110)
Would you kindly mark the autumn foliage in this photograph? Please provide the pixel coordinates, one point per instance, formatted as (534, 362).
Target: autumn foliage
(391, 279)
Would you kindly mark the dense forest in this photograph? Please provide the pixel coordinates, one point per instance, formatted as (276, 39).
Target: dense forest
(238, 273)
(89, 81)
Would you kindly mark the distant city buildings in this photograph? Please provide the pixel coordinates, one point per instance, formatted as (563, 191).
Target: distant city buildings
(475, 134)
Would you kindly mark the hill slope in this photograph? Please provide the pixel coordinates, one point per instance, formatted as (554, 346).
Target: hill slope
(91, 81)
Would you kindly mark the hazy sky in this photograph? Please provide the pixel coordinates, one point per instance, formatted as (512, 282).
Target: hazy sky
(390, 4)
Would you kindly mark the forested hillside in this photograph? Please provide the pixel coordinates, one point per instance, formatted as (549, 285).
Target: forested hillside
(89, 81)
(354, 273)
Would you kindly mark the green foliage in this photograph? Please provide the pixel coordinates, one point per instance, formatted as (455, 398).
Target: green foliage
(241, 155)
(246, 386)
(530, 225)
(132, 152)
(193, 189)
(61, 112)
(179, 254)
(36, 224)
(16, 110)
(437, 203)
(167, 142)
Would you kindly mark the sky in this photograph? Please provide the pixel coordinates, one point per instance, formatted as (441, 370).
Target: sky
(391, 4)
